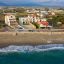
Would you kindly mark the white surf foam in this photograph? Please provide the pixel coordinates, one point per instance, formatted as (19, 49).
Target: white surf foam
(28, 48)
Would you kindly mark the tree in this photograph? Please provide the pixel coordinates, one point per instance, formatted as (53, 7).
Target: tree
(36, 24)
(20, 10)
(55, 19)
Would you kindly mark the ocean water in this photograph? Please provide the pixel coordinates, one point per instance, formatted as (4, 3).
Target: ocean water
(41, 54)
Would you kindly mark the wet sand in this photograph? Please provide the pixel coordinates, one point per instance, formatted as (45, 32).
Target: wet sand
(31, 38)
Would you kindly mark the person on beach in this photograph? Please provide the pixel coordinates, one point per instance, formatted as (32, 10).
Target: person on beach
(16, 34)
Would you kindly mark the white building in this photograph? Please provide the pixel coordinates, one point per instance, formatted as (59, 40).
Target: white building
(26, 20)
(32, 18)
(10, 19)
(23, 20)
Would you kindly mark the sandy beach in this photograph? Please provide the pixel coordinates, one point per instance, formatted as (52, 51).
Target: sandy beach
(30, 38)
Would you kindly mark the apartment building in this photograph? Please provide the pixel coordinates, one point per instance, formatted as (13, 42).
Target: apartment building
(10, 19)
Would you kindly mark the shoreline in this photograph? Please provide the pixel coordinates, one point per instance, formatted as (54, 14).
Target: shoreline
(30, 38)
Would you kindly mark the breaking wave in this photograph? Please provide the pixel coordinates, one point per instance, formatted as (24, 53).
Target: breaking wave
(28, 48)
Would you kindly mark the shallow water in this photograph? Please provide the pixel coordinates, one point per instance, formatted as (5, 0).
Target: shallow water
(42, 54)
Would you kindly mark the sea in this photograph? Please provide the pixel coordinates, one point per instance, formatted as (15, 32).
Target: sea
(27, 54)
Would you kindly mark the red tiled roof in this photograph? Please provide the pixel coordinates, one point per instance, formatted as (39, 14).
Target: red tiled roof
(43, 22)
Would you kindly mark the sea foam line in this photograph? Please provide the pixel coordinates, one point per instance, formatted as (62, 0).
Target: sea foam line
(27, 48)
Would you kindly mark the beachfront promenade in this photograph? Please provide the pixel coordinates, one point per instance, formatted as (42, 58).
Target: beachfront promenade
(31, 38)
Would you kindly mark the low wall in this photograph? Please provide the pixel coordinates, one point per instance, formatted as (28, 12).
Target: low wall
(30, 38)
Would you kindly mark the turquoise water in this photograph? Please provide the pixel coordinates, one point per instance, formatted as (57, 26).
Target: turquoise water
(49, 57)
(55, 56)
